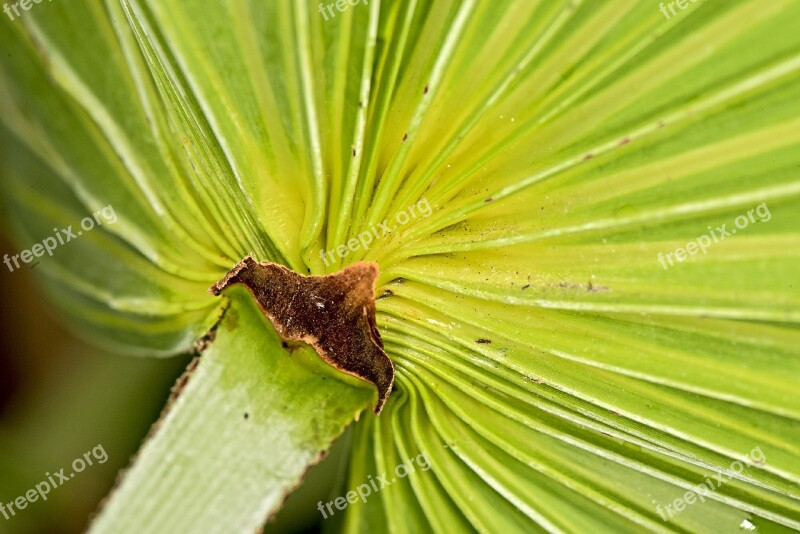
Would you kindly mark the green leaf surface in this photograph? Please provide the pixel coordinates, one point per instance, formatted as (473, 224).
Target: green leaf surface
(238, 438)
(559, 365)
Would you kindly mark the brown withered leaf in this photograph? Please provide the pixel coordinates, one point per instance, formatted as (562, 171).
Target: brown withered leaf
(334, 313)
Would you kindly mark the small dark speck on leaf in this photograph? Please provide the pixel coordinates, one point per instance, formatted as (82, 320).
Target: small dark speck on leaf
(526, 286)
(246, 415)
(591, 288)
(405, 136)
(425, 92)
(490, 199)
(596, 289)
(386, 294)
(588, 156)
(483, 341)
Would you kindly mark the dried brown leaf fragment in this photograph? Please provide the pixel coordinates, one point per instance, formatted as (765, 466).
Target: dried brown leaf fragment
(334, 313)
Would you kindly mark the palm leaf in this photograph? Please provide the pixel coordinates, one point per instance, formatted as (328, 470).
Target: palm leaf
(554, 369)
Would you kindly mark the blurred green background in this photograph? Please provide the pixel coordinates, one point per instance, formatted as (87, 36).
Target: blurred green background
(60, 398)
